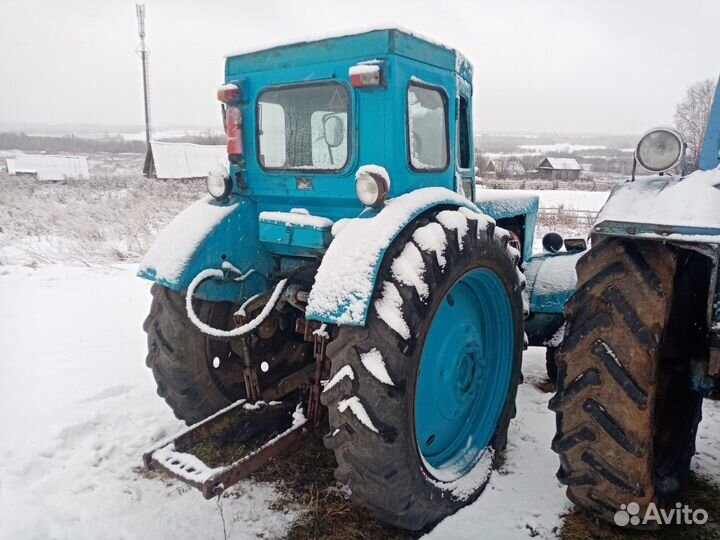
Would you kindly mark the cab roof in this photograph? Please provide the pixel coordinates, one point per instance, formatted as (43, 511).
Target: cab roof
(352, 47)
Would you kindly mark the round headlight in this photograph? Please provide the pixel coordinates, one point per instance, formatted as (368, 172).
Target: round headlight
(219, 185)
(659, 149)
(372, 185)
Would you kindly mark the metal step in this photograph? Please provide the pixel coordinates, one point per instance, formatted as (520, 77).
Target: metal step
(224, 448)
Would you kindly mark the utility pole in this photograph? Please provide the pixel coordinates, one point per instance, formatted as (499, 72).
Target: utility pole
(143, 52)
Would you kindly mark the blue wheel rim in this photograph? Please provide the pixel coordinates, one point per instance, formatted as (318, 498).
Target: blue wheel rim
(464, 374)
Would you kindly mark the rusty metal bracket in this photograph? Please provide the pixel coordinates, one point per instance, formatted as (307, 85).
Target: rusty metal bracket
(319, 345)
(250, 376)
(259, 432)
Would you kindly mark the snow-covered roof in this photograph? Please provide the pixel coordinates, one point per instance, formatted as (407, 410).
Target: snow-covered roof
(48, 167)
(167, 160)
(560, 164)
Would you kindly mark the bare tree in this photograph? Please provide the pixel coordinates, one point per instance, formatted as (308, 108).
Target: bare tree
(691, 118)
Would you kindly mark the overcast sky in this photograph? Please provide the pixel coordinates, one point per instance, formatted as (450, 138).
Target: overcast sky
(601, 66)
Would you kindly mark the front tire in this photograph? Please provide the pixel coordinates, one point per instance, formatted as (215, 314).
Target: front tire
(626, 412)
(433, 349)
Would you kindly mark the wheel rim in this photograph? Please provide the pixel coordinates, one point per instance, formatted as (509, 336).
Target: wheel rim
(464, 374)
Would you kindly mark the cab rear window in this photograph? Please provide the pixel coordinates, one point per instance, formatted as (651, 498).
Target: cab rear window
(304, 127)
(427, 128)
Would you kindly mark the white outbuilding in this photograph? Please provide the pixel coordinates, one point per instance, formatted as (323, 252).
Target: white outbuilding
(49, 168)
(176, 161)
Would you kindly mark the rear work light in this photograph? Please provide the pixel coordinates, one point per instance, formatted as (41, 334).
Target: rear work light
(229, 93)
(233, 131)
(365, 75)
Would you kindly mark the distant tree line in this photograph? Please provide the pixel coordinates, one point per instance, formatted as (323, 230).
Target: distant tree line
(69, 143)
(79, 145)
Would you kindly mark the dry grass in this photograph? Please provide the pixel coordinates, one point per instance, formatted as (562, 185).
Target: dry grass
(305, 479)
(102, 220)
(700, 494)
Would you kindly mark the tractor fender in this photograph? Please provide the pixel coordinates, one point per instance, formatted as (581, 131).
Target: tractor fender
(346, 277)
(211, 234)
(551, 279)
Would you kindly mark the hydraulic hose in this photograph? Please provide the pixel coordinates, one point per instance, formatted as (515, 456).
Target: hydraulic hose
(235, 332)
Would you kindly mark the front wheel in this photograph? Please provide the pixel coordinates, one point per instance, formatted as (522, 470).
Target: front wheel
(421, 398)
(627, 414)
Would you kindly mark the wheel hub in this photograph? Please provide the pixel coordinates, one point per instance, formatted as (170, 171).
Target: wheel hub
(464, 372)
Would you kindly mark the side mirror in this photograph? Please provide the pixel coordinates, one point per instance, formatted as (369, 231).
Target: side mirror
(333, 131)
(552, 242)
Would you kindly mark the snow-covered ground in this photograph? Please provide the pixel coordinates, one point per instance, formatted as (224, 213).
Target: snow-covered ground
(78, 407)
(589, 201)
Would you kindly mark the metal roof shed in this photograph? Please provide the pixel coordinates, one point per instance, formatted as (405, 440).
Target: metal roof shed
(169, 161)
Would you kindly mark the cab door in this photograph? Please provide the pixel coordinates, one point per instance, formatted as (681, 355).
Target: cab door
(464, 147)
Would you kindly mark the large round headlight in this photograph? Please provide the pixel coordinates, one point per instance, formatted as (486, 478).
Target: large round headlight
(372, 184)
(659, 149)
(219, 184)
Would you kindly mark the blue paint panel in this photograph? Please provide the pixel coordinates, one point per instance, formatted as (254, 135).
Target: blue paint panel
(551, 280)
(710, 155)
(292, 239)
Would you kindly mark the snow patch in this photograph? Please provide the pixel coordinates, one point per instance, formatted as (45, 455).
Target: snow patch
(374, 170)
(364, 69)
(463, 487)
(297, 218)
(344, 281)
(322, 331)
(240, 330)
(455, 221)
(692, 201)
(357, 408)
(431, 237)
(389, 309)
(345, 371)
(557, 338)
(175, 245)
(408, 268)
(374, 363)
(184, 465)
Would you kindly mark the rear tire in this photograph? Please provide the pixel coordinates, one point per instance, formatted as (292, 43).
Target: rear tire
(181, 357)
(626, 413)
(551, 363)
(372, 412)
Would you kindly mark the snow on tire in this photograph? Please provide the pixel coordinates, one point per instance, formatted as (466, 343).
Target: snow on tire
(372, 412)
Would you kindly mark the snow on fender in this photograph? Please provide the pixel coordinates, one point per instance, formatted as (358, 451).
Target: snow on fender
(346, 277)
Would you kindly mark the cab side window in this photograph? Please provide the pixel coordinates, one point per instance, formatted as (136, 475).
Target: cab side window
(427, 128)
(463, 140)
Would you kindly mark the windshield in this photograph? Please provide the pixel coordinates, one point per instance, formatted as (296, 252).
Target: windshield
(303, 127)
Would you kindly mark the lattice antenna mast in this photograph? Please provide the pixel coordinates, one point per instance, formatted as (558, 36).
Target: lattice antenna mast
(143, 52)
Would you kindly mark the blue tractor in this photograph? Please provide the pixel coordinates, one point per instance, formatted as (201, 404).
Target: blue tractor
(345, 271)
(641, 345)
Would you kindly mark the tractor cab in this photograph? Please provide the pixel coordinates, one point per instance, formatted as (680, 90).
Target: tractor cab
(302, 119)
